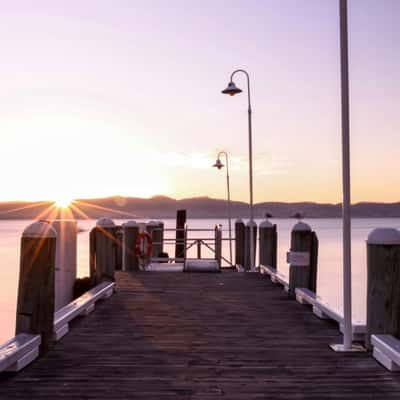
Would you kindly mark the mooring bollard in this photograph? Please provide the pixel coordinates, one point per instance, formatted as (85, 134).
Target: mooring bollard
(180, 250)
(92, 256)
(268, 244)
(35, 305)
(118, 246)
(105, 250)
(158, 239)
(303, 258)
(156, 231)
(66, 261)
(130, 261)
(239, 243)
(247, 262)
(383, 294)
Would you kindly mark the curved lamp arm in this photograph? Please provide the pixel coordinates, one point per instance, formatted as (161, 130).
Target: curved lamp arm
(226, 159)
(248, 83)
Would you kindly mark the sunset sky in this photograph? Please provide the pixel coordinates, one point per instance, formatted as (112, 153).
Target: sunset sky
(118, 97)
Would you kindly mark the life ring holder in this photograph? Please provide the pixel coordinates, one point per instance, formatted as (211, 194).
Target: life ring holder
(143, 245)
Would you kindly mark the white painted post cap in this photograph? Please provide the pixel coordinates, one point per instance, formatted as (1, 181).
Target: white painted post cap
(301, 226)
(152, 223)
(130, 223)
(105, 223)
(266, 224)
(253, 223)
(142, 226)
(39, 229)
(384, 236)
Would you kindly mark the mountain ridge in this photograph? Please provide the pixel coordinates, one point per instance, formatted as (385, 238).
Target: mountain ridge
(197, 207)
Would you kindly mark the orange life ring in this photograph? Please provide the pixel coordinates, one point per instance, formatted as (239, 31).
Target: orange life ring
(143, 245)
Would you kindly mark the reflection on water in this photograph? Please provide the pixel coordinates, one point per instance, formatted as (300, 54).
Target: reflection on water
(329, 263)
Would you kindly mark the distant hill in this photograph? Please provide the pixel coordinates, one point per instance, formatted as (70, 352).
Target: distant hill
(198, 207)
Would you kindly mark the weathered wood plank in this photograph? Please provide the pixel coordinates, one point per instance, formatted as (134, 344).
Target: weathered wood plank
(200, 336)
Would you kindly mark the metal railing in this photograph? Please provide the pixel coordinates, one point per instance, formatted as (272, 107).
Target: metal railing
(212, 243)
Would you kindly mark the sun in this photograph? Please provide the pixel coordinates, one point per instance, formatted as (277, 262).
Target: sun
(63, 202)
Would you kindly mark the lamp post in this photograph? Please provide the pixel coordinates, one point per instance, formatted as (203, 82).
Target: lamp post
(346, 207)
(218, 164)
(232, 89)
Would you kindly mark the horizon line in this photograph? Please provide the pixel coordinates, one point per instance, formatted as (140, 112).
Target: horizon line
(46, 201)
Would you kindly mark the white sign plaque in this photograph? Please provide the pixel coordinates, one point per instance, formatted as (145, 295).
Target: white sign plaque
(298, 258)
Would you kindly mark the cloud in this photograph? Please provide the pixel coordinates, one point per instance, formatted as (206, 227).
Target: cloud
(264, 163)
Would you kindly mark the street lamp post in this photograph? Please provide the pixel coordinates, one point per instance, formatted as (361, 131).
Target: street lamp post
(346, 207)
(218, 164)
(232, 89)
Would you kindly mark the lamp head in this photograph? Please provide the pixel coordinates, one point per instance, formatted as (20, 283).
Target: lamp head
(231, 89)
(218, 164)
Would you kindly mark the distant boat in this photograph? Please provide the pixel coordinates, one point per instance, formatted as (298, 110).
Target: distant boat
(298, 215)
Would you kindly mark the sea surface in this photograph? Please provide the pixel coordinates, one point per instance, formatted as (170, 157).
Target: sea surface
(329, 285)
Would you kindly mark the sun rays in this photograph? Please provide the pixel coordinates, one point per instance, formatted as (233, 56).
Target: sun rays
(65, 208)
(63, 202)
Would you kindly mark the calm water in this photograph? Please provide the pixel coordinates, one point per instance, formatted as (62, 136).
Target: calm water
(329, 265)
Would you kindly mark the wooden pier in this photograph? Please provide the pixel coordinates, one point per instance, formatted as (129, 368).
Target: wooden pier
(200, 336)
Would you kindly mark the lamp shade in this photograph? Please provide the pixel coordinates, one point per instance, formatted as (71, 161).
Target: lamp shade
(218, 164)
(231, 89)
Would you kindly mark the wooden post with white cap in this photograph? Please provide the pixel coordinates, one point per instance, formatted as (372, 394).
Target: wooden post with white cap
(35, 305)
(250, 251)
(130, 261)
(105, 250)
(156, 231)
(268, 243)
(66, 261)
(180, 249)
(303, 258)
(239, 243)
(118, 246)
(383, 282)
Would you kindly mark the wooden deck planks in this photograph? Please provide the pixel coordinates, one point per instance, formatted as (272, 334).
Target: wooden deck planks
(200, 336)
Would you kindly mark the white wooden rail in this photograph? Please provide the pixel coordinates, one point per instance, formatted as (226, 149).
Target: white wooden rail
(320, 308)
(164, 267)
(387, 351)
(22, 349)
(18, 352)
(81, 306)
(324, 311)
(275, 276)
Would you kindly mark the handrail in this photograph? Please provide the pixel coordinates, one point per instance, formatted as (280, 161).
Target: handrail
(188, 230)
(222, 257)
(213, 243)
(191, 245)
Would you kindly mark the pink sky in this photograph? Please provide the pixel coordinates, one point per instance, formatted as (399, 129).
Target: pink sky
(123, 97)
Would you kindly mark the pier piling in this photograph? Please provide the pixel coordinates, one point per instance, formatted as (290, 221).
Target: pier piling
(268, 244)
(105, 252)
(303, 258)
(180, 234)
(36, 289)
(247, 263)
(66, 261)
(239, 242)
(130, 261)
(383, 282)
(156, 231)
(117, 231)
